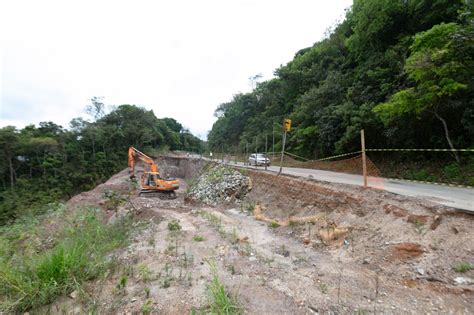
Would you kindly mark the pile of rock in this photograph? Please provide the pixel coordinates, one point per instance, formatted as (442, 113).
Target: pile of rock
(219, 184)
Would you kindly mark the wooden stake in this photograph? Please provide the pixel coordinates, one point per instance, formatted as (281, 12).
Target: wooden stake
(364, 159)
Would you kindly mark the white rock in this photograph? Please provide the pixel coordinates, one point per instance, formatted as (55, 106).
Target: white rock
(463, 280)
(74, 294)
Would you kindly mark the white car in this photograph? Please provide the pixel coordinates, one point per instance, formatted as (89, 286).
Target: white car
(258, 159)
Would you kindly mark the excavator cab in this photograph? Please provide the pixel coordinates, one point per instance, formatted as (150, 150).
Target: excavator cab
(151, 183)
(148, 179)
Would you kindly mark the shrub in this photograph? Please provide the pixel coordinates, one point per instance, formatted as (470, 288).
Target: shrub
(452, 171)
(423, 175)
(174, 225)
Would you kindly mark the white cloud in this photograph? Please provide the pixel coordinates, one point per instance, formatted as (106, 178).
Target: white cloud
(179, 58)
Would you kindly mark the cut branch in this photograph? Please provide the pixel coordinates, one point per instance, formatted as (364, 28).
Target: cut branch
(446, 133)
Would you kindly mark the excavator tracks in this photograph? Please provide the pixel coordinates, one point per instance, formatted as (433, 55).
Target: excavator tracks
(164, 195)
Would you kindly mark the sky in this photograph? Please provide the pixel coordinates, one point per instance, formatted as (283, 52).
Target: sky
(180, 58)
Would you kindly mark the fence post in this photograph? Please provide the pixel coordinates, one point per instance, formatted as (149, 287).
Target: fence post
(364, 159)
(282, 152)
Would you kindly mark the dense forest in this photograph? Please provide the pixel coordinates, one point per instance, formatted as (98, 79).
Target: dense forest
(43, 164)
(400, 69)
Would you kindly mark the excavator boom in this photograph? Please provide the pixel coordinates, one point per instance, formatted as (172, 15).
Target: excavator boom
(133, 153)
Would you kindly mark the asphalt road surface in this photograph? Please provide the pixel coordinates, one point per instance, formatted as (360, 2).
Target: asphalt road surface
(460, 198)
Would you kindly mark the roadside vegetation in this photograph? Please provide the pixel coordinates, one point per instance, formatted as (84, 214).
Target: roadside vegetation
(34, 272)
(425, 168)
(400, 70)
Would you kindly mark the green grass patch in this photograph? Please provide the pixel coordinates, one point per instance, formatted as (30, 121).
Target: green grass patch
(198, 238)
(213, 219)
(244, 171)
(79, 254)
(174, 225)
(147, 307)
(220, 302)
(217, 173)
(463, 267)
(274, 224)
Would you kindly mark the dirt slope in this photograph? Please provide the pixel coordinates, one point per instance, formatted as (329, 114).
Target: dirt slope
(403, 247)
(396, 255)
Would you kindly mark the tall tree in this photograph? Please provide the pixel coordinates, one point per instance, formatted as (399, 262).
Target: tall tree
(440, 66)
(8, 143)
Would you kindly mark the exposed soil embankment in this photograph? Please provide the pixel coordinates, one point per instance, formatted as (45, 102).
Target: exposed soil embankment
(180, 167)
(400, 238)
(291, 196)
(325, 248)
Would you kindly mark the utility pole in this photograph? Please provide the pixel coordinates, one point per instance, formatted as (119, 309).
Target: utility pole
(364, 159)
(273, 141)
(286, 128)
(282, 152)
(266, 157)
(256, 150)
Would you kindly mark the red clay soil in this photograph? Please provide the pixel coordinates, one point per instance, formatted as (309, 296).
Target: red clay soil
(405, 251)
(398, 237)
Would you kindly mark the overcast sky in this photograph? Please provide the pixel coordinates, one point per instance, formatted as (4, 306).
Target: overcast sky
(179, 58)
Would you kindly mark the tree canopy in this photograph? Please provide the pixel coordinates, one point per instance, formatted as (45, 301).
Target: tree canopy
(45, 163)
(401, 70)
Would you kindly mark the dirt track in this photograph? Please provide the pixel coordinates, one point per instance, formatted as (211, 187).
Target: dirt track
(397, 256)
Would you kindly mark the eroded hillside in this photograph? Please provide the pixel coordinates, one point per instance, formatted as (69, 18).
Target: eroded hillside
(288, 246)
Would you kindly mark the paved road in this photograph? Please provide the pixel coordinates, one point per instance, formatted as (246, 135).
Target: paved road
(461, 198)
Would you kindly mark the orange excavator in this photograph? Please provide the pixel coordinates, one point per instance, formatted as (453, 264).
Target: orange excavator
(151, 183)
